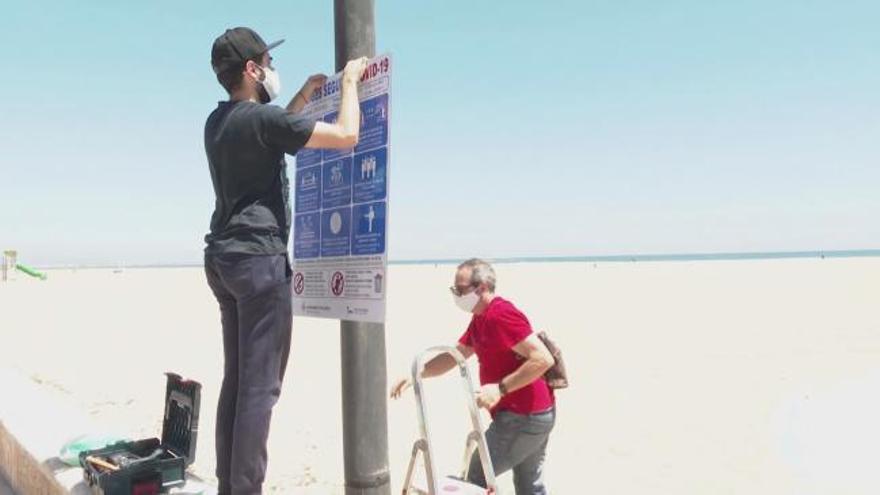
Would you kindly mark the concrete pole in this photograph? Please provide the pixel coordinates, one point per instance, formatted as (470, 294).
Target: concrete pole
(364, 376)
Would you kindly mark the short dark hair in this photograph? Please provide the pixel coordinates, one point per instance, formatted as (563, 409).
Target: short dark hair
(231, 78)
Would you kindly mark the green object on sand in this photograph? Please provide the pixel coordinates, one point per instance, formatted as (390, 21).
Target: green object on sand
(30, 271)
(70, 451)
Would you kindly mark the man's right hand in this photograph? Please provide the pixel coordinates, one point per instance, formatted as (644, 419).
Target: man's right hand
(342, 134)
(353, 70)
(400, 387)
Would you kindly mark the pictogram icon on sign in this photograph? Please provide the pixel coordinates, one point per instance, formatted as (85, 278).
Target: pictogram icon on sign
(337, 283)
(298, 283)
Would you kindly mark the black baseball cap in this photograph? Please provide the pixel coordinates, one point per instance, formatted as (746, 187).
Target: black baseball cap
(236, 46)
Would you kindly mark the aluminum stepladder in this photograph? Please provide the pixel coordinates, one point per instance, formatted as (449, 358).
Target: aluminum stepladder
(476, 439)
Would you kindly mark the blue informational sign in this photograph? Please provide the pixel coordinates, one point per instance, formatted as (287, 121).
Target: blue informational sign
(370, 175)
(306, 235)
(336, 232)
(308, 189)
(307, 157)
(368, 236)
(374, 124)
(341, 206)
(337, 183)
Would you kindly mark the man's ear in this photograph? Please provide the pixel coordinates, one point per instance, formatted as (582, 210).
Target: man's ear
(253, 70)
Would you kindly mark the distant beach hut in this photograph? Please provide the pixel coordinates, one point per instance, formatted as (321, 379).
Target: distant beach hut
(10, 259)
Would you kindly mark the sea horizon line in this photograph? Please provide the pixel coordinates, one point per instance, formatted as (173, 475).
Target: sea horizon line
(607, 258)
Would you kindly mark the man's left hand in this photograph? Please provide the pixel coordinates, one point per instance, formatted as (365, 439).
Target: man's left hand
(488, 395)
(312, 83)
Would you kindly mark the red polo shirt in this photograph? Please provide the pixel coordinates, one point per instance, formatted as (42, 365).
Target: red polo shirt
(492, 336)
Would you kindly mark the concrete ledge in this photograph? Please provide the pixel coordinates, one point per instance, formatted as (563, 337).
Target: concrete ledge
(25, 474)
(21, 442)
(5, 489)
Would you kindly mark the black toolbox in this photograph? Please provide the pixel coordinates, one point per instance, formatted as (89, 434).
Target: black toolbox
(150, 466)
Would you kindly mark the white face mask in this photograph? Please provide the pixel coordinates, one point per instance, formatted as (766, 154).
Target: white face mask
(271, 82)
(467, 302)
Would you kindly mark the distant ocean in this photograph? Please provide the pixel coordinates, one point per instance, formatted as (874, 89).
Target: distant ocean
(629, 258)
(616, 258)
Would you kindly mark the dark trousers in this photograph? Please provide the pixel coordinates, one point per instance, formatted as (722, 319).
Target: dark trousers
(518, 442)
(255, 311)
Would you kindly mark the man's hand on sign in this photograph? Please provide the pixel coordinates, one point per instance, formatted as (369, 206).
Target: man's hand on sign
(400, 387)
(488, 395)
(302, 97)
(314, 82)
(344, 133)
(354, 69)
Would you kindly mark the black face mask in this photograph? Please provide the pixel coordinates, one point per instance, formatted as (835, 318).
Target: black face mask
(264, 96)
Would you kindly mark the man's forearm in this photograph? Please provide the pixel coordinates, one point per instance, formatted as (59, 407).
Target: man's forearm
(439, 365)
(297, 103)
(528, 372)
(349, 109)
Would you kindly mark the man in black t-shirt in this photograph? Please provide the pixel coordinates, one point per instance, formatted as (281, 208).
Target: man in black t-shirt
(246, 254)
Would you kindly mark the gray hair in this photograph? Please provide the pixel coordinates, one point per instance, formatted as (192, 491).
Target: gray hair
(481, 272)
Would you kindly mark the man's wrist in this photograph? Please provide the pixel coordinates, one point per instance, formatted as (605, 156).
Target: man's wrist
(502, 388)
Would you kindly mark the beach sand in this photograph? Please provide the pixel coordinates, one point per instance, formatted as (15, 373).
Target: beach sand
(711, 377)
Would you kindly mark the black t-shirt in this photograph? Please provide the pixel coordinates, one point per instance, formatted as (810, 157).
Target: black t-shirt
(245, 143)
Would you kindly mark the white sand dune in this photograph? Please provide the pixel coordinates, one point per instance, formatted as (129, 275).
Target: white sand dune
(755, 377)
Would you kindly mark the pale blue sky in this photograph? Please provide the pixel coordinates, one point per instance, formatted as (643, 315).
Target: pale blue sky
(519, 128)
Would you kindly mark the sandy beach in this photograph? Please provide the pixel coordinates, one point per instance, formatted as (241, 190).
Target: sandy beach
(712, 377)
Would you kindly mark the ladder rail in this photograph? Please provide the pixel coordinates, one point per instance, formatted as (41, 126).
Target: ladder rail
(408, 489)
(477, 435)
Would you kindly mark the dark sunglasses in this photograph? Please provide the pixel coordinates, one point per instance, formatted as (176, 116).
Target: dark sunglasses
(459, 291)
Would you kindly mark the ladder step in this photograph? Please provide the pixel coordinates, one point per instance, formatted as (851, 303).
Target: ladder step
(459, 487)
(452, 486)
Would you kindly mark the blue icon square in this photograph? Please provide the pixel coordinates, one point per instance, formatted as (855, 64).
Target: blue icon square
(336, 232)
(306, 236)
(374, 123)
(369, 223)
(307, 157)
(370, 173)
(336, 183)
(308, 189)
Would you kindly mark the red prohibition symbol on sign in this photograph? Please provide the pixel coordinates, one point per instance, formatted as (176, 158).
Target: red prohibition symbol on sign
(298, 283)
(337, 283)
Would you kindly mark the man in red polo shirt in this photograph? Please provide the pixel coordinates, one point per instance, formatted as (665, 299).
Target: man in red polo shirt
(512, 362)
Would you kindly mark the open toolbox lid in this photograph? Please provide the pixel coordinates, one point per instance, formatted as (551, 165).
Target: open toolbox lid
(180, 425)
